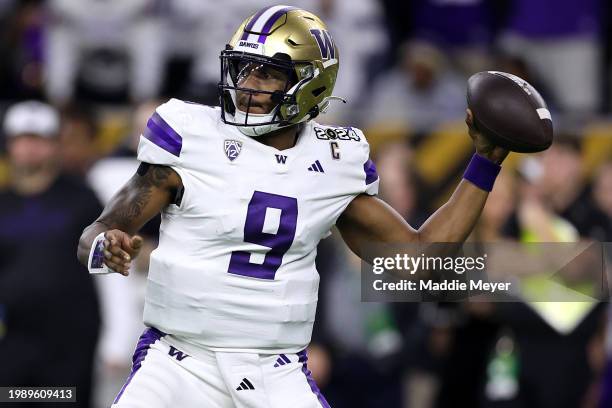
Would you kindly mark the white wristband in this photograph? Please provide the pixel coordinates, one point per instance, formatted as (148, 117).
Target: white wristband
(95, 263)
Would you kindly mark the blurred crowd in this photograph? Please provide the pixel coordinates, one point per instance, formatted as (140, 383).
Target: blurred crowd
(91, 73)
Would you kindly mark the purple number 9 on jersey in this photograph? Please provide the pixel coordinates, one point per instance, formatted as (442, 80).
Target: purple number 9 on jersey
(279, 242)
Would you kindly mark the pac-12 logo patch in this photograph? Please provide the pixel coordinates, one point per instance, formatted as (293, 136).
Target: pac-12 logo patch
(232, 148)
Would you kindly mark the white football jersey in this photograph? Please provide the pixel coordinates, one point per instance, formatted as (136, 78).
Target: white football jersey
(235, 266)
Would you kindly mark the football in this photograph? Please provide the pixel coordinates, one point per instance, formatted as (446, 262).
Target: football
(509, 111)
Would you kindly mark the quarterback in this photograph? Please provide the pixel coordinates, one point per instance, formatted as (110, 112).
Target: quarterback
(246, 192)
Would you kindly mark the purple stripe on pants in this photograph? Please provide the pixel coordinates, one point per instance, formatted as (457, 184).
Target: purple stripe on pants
(149, 336)
(303, 358)
(162, 134)
(268, 26)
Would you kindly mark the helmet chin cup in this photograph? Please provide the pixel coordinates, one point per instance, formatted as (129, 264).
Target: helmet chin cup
(255, 131)
(254, 119)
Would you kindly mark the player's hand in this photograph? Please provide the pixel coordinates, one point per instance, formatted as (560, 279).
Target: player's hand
(119, 250)
(484, 147)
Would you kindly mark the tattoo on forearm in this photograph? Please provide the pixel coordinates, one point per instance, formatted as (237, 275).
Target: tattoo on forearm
(132, 199)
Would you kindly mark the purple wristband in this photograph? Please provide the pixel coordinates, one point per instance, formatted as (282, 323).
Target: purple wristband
(482, 172)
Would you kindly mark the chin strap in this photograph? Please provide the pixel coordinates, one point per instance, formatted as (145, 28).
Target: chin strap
(333, 98)
(323, 106)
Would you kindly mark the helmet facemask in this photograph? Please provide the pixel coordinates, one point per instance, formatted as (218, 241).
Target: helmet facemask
(239, 102)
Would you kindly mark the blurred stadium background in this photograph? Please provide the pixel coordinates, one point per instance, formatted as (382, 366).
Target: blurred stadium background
(105, 64)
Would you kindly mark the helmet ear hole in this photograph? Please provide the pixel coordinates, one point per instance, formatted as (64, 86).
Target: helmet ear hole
(318, 91)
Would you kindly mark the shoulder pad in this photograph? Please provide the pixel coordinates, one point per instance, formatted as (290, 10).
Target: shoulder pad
(355, 152)
(161, 141)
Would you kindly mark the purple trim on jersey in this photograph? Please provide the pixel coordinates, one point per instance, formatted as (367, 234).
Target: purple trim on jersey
(251, 23)
(303, 358)
(162, 134)
(148, 337)
(265, 31)
(370, 171)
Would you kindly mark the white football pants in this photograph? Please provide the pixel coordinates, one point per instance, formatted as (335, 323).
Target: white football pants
(165, 376)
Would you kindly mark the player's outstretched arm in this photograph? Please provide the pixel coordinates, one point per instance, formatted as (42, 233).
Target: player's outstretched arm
(368, 219)
(151, 189)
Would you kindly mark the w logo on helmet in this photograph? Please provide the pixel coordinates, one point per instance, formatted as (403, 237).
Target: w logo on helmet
(325, 42)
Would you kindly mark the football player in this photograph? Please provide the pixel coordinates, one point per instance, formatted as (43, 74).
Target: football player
(246, 192)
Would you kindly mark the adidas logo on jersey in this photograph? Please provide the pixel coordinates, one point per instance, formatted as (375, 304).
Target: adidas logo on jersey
(245, 384)
(282, 360)
(316, 167)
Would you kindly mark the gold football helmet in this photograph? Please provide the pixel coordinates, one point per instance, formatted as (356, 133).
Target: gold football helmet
(279, 39)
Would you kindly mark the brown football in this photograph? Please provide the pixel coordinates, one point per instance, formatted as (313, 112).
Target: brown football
(509, 111)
